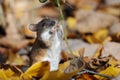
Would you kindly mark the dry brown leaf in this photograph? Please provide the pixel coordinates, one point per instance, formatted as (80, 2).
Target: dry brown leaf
(87, 77)
(113, 11)
(91, 21)
(97, 64)
(76, 63)
(112, 2)
(85, 4)
(115, 32)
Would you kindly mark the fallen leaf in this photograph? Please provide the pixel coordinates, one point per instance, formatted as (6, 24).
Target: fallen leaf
(87, 77)
(113, 61)
(97, 37)
(113, 11)
(112, 2)
(14, 68)
(91, 21)
(115, 32)
(14, 59)
(71, 22)
(87, 4)
(101, 35)
(97, 64)
(91, 39)
(59, 74)
(98, 52)
(110, 71)
(36, 70)
(76, 63)
(8, 75)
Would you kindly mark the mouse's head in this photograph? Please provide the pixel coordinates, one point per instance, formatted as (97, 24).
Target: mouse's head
(47, 30)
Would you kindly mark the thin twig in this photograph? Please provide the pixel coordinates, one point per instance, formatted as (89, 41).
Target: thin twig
(92, 72)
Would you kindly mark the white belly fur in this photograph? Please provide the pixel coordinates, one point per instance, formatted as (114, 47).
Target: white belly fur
(53, 54)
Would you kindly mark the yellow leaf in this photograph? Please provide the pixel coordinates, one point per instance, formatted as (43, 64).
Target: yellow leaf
(87, 7)
(110, 71)
(92, 39)
(71, 22)
(114, 11)
(14, 59)
(113, 61)
(118, 35)
(59, 74)
(97, 37)
(76, 52)
(2, 75)
(8, 75)
(36, 70)
(98, 52)
(101, 34)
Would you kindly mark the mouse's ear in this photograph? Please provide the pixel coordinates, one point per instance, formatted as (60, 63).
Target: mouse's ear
(33, 27)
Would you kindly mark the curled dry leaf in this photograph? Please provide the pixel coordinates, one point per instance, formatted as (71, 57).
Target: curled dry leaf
(76, 63)
(97, 64)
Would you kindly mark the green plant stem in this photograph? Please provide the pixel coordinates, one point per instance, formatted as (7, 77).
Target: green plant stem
(64, 29)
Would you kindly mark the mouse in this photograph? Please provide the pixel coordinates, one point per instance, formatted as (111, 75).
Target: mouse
(48, 43)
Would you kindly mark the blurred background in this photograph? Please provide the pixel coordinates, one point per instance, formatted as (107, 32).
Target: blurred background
(90, 23)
